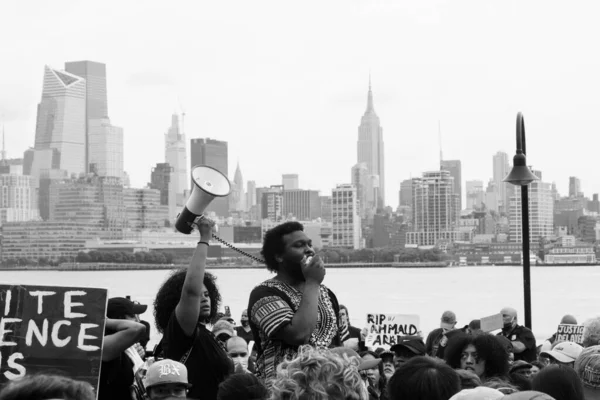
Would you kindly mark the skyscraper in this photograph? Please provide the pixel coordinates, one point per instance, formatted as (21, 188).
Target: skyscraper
(406, 192)
(236, 198)
(475, 194)
(105, 148)
(304, 205)
(60, 135)
(290, 181)
(454, 167)
(346, 225)
(250, 194)
(370, 148)
(575, 187)
(360, 179)
(214, 154)
(176, 157)
(435, 209)
(160, 179)
(541, 212)
(501, 170)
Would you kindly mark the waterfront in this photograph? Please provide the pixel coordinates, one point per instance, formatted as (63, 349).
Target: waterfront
(472, 292)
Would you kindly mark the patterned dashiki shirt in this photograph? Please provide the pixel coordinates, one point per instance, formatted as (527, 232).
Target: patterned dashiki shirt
(272, 306)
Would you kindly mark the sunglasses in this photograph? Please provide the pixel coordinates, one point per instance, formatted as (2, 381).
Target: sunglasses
(235, 355)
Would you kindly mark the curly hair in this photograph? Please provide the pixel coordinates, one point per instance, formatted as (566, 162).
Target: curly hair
(489, 348)
(423, 378)
(591, 332)
(242, 386)
(169, 294)
(43, 386)
(318, 375)
(273, 242)
(502, 385)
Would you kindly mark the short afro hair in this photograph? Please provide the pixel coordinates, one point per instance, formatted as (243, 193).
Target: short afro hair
(273, 244)
(424, 378)
(169, 294)
(489, 348)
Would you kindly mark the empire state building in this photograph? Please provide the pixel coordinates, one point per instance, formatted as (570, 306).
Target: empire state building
(370, 148)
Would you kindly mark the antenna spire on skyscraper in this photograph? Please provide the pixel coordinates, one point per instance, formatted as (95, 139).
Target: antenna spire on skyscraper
(370, 96)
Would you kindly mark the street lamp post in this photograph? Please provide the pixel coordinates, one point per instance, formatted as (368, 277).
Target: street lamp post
(521, 175)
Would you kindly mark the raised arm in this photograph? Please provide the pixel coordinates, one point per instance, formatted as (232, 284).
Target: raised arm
(127, 334)
(187, 311)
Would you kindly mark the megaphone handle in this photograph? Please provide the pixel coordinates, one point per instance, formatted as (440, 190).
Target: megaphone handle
(232, 247)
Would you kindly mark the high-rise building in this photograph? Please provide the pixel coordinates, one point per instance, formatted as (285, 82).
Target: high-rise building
(541, 212)
(435, 209)
(360, 179)
(500, 171)
(176, 157)
(290, 181)
(475, 194)
(406, 192)
(575, 187)
(250, 194)
(272, 203)
(454, 167)
(18, 200)
(304, 205)
(105, 148)
(160, 179)
(236, 198)
(214, 154)
(60, 135)
(143, 209)
(325, 208)
(370, 147)
(346, 227)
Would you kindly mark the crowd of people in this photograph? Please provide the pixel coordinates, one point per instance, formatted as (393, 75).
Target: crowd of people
(295, 341)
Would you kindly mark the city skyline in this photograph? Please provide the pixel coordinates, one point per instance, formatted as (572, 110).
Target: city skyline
(312, 88)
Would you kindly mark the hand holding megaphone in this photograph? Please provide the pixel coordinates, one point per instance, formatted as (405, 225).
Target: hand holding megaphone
(205, 226)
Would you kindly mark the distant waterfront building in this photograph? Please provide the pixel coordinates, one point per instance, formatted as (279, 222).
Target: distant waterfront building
(18, 200)
(406, 193)
(304, 205)
(575, 187)
(325, 202)
(290, 181)
(272, 204)
(475, 194)
(176, 157)
(143, 209)
(541, 212)
(236, 198)
(213, 153)
(346, 226)
(370, 147)
(435, 209)
(455, 169)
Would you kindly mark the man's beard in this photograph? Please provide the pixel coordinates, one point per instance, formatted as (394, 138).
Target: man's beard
(245, 323)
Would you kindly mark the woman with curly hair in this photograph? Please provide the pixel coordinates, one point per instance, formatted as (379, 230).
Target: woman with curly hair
(187, 301)
(481, 353)
(318, 375)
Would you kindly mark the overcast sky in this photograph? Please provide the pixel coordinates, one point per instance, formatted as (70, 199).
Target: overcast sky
(286, 83)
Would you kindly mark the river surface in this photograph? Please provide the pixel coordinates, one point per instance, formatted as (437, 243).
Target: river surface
(471, 292)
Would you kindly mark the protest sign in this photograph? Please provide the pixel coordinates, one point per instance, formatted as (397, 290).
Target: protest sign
(385, 330)
(51, 329)
(569, 333)
(492, 323)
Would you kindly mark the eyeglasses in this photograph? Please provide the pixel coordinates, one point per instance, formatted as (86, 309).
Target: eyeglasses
(235, 355)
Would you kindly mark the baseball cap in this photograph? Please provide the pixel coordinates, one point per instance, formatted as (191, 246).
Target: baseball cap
(166, 371)
(348, 352)
(119, 307)
(413, 343)
(478, 393)
(519, 364)
(448, 320)
(527, 395)
(564, 352)
(222, 326)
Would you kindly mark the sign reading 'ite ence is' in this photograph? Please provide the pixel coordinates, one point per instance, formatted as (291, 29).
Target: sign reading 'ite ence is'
(52, 330)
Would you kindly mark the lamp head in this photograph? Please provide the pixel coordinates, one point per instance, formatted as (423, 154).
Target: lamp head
(520, 175)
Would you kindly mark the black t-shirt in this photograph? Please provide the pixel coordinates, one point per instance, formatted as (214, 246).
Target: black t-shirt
(208, 364)
(525, 336)
(247, 336)
(116, 376)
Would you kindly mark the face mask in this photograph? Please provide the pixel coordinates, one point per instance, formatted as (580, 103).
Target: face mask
(239, 360)
(508, 324)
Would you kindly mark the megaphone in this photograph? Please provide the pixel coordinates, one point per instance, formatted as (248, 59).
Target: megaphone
(208, 183)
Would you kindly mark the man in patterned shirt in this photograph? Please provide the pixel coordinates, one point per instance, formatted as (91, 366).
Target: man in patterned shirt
(293, 308)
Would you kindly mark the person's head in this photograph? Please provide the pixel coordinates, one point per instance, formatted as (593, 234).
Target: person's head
(169, 294)
(587, 367)
(509, 317)
(448, 320)
(237, 349)
(482, 353)
(568, 319)
(44, 386)
(563, 353)
(478, 393)
(468, 379)
(375, 374)
(242, 387)
(423, 378)
(123, 308)
(244, 318)
(501, 385)
(319, 375)
(344, 315)
(285, 246)
(166, 379)
(408, 347)
(507, 345)
(475, 326)
(536, 366)
(522, 368)
(591, 332)
(560, 382)
(223, 330)
(387, 363)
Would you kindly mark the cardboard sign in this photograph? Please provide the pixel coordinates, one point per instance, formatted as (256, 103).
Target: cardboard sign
(492, 323)
(386, 329)
(569, 333)
(51, 329)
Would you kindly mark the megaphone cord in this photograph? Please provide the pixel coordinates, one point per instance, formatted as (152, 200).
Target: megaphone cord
(242, 252)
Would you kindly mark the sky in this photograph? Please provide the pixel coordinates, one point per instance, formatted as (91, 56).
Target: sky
(285, 83)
